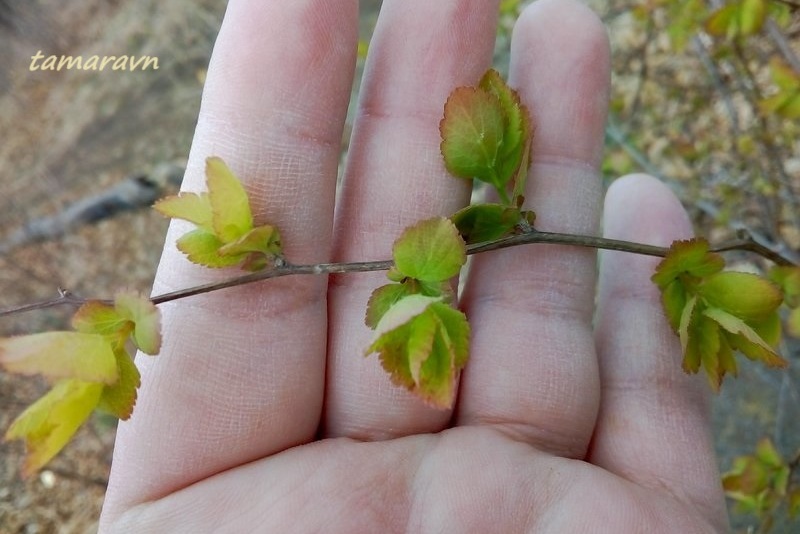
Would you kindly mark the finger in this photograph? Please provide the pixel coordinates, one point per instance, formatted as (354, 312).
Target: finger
(241, 373)
(653, 426)
(420, 52)
(533, 369)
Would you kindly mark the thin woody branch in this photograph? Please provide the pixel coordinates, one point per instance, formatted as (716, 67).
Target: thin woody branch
(744, 242)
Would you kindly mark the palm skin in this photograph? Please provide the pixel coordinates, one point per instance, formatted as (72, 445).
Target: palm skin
(260, 415)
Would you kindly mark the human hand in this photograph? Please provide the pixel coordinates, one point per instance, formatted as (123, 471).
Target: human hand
(261, 414)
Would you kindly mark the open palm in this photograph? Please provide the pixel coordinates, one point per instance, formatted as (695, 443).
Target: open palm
(261, 414)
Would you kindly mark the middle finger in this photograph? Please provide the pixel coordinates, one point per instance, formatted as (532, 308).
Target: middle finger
(395, 176)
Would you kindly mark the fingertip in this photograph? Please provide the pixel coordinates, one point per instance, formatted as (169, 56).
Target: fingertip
(561, 62)
(641, 208)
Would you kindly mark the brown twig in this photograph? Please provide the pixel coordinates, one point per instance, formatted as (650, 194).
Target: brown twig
(743, 242)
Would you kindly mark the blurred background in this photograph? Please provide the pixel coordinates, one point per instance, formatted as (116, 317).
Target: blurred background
(706, 96)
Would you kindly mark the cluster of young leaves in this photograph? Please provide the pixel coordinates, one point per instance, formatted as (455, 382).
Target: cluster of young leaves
(716, 312)
(732, 20)
(486, 136)
(760, 483)
(90, 367)
(225, 235)
(739, 18)
(422, 341)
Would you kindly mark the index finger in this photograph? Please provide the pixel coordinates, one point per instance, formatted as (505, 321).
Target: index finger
(241, 373)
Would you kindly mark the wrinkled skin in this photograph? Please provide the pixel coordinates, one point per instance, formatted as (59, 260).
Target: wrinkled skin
(260, 413)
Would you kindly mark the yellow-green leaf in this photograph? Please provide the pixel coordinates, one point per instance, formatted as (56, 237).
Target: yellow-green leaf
(751, 16)
(202, 247)
(456, 331)
(787, 277)
(784, 76)
(381, 300)
(724, 21)
(230, 206)
(419, 346)
(49, 423)
(263, 239)
(192, 207)
(486, 135)
(674, 300)
(472, 134)
(744, 338)
(478, 223)
(392, 349)
(794, 503)
(95, 317)
(401, 313)
(432, 250)
(691, 257)
(77, 355)
(119, 398)
(705, 341)
(793, 322)
(784, 103)
(516, 141)
(686, 318)
(423, 343)
(768, 454)
(745, 295)
(146, 320)
(738, 18)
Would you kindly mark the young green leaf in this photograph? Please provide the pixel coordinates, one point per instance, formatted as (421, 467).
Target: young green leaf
(192, 207)
(230, 206)
(202, 248)
(401, 312)
(455, 329)
(691, 257)
(515, 148)
(743, 337)
(788, 279)
(431, 251)
(95, 317)
(786, 102)
(692, 358)
(77, 355)
(49, 423)
(119, 398)
(263, 239)
(423, 344)
(486, 135)
(485, 222)
(744, 295)
(758, 482)
(739, 18)
(674, 300)
(146, 320)
(382, 299)
(225, 235)
(472, 134)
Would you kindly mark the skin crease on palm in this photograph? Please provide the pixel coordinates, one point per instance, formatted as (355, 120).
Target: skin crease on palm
(261, 413)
